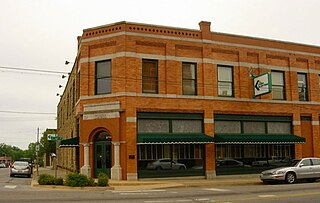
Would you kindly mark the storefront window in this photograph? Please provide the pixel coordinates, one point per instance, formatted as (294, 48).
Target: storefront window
(186, 126)
(153, 126)
(227, 127)
(170, 160)
(279, 127)
(254, 127)
(253, 158)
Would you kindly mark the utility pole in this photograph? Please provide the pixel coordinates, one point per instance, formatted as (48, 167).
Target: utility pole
(37, 152)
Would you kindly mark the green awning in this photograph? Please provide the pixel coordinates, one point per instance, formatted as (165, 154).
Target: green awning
(174, 138)
(257, 139)
(72, 142)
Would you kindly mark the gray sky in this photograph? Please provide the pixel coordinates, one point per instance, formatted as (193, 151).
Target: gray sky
(41, 34)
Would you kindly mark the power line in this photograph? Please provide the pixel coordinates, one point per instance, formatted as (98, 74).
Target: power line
(33, 70)
(25, 112)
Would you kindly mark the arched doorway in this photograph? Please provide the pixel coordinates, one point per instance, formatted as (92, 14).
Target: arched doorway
(102, 153)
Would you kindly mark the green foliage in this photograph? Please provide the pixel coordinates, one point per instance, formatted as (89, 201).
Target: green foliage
(78, 180)
(45, 179)
(58, 181)
(47, 146)
(14, 152)
(103, 179)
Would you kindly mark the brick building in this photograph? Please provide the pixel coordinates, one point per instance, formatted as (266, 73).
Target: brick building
(142, 99)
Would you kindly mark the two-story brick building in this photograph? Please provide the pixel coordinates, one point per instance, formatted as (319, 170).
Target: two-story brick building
(154, 101)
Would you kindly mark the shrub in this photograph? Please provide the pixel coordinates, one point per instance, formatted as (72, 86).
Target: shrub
(58, 181)
(78, 180)
(45, 179)
(103, 179)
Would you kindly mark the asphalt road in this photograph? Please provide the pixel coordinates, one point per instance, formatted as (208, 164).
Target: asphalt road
(18, 189)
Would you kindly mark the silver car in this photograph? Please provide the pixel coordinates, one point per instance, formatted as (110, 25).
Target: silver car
(20, 168)
(164, 164)
(306, 168)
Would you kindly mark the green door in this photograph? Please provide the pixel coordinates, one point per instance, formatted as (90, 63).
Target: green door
(102, 157)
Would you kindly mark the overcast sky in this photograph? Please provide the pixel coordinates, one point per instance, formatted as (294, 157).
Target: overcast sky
(41, 35)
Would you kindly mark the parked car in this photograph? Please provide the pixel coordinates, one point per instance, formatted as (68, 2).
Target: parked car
(275, 161)
(30, 162)
(163, 164)
(306, 168)
(230, 163)
(20, 168)
(3, 165)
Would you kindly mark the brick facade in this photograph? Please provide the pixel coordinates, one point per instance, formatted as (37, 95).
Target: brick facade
(126, 44)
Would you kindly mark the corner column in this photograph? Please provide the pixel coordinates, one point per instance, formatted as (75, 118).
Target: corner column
(116, 169)
(86, 169)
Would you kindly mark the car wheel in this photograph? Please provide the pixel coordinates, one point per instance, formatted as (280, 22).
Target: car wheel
(11, 175)
(182, 168)
(290, 177)
(158, 168)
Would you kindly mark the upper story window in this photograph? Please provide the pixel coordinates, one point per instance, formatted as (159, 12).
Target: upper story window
(278, 85)
(302, 87)
(103, 77)
(225, 81)
(189, 78)
(149, 76)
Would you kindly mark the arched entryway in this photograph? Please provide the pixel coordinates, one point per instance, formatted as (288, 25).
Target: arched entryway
(102, 153)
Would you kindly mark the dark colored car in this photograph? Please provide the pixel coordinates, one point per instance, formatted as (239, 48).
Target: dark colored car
(230, 163)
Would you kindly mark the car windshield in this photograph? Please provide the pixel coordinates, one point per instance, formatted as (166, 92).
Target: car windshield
(20, 163)
(293, 162)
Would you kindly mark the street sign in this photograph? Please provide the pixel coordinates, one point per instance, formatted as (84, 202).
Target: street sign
(54, 137)
(262, 84)
(57, 138)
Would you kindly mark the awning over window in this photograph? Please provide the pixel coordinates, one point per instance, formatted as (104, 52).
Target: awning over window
(72, 142)
(257, 139)
(174, 138)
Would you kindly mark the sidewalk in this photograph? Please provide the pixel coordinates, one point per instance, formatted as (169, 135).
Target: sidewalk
(147, 184)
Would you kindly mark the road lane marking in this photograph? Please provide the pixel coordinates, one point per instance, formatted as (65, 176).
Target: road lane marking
(202, 199)
(10, 186)
(217, 189)
(264, 196)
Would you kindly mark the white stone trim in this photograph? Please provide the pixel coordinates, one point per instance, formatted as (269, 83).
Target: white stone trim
(315, 122)
(215, 98)
(132, 176)
(95, 116)
(296, 122)
(131, 119)
(196, 60)
(208, 120)
(101, 106)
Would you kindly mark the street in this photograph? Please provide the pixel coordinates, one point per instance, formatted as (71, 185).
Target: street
(18, 189)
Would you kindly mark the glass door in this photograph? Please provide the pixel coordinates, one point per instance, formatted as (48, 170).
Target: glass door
(102, 158)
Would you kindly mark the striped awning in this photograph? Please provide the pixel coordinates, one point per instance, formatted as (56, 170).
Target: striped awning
(72, 142)
(258, 139)
(173, 138)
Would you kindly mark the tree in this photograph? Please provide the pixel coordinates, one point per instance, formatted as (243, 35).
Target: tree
(47, 146)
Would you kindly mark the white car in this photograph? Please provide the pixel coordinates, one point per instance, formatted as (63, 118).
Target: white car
(306, 168)
(164, 164)
(3, 165)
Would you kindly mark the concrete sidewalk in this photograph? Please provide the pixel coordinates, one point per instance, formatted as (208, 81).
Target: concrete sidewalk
(147, 184)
